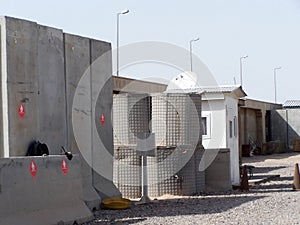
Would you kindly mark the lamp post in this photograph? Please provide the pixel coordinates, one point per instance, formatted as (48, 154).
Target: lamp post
(275, 86)
(241, 68)
(125, 11)
(191, 52)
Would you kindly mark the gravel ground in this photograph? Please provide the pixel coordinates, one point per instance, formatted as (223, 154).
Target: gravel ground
(272, 202)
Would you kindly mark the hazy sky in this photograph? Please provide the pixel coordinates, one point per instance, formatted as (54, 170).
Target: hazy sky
(268, 31)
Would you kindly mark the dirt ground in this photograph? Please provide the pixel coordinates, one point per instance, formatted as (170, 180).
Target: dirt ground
(272, 202)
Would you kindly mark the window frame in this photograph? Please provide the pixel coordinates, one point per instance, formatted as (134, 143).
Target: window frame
(206, 115)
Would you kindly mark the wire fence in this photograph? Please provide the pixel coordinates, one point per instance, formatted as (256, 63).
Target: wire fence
(175, 120)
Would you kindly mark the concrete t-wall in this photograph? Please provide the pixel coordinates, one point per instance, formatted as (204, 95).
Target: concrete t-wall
(41, 68)
(22, 84)
(77, 60)
(285, 125)
(52, 123)
(34, 76)
(102, 103)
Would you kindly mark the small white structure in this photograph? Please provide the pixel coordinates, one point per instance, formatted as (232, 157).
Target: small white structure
(219, 116)
(220, 122)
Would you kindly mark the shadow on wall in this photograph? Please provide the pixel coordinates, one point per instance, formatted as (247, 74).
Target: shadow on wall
(285, 126)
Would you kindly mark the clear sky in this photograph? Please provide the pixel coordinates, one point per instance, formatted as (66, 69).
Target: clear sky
(268, 31)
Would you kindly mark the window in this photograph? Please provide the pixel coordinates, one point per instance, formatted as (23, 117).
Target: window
(204, 125)
(230, 129)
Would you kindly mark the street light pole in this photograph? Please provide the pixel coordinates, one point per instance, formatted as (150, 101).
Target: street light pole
(275, 86)
(241, 68)
(191, 52)
(118, 35)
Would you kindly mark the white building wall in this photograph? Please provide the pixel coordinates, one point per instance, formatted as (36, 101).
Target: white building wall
(219, 113)
(215, 113)
(231, 105)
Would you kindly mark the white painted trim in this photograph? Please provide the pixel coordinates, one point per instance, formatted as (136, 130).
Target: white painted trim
(4, 88)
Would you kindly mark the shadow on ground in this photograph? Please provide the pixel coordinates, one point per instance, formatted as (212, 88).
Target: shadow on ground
(283, 184)
(173, 207)
(265, 170)
(262, 158)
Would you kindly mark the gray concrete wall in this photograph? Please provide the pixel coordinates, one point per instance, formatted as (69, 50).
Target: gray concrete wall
(22, 83)
(279, 125)
(35, 78)
(80, 53)
(52, 123)
(253, 120)
(285, 125)
(44, 69)
(102, 103)
(47, 198)
(217, 174)
(77, 60)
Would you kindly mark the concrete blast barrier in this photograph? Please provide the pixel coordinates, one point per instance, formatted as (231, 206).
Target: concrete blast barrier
(41, 72)
(48, 198)
(32, 74)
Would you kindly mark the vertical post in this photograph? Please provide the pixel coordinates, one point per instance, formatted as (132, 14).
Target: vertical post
(145, 147)
(275, 87)
(241, 68)
(191, 56)
(118, 18)
(191, 52)
(241, 71)
(287, 130)
(144, 177)
(275, 83)
(118, 36)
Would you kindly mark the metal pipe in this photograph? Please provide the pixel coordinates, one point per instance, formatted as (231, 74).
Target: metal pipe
(241, 68)
(191, 52)
(118, 35)
(275, 85)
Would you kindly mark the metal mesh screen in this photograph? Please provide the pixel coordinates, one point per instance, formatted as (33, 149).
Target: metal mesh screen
(131, 115)
(127, 173)
(174, 119)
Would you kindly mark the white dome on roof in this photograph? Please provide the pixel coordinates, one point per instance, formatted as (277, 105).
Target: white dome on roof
(185, 80)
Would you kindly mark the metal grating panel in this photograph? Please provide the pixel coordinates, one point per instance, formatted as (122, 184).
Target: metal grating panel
(128, 174)
(200, 175)
(174, 118)
(169, 184)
